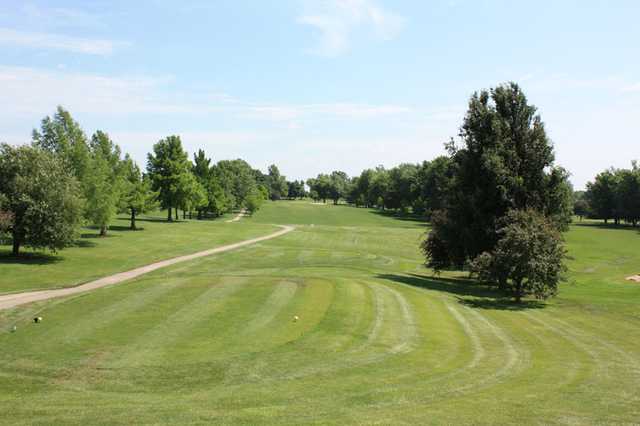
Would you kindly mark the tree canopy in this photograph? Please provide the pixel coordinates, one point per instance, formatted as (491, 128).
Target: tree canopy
(40, 198)
(506, 163)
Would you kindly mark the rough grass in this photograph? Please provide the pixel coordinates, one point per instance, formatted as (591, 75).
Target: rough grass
(122, 249)
(379, 340)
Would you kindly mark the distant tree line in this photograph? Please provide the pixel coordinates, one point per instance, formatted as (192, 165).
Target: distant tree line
(613, 195)
(64, 179)
(407, 188)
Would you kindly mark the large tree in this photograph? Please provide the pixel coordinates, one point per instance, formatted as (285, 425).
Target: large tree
(103, 186)
(166, 168)
(237, 179)
(506, 163)
(277, 183)
(338, 185)
(601, 195)
(41, 196)
(62, 135)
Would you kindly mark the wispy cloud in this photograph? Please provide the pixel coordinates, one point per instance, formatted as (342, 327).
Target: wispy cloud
(60, 17)
(37, 91)
(336, 20)
(632, 88)
(36, 40)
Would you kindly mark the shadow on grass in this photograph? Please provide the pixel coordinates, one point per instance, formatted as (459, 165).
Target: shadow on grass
(602, 225)
(400, 216)
(124, 228)
(93, 235)
(38, 258)
(469, 292)
(84, 243)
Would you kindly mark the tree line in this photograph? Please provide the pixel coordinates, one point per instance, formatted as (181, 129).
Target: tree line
(407, 188)
(64, 180)
(613, 195)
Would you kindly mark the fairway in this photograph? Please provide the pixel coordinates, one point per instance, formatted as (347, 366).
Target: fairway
(379, 339)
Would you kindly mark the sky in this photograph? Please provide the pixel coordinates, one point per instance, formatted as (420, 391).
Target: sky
(315, 86)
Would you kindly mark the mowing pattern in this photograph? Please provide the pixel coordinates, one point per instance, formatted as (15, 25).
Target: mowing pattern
(215, 340)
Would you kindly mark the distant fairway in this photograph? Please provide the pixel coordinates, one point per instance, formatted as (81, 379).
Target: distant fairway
(378, 340)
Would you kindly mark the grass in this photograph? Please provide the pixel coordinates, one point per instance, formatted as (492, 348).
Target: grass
(122, 249)
(379, 339)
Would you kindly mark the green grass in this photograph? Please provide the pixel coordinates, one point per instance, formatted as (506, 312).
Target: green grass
(122, 249)
(379, 339)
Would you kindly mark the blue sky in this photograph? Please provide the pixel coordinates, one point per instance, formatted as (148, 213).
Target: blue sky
(317, 85)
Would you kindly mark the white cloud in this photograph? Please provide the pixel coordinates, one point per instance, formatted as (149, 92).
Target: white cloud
(336, 20)
(59, 17)
(36, 40)
(32, 91)
(632, 88)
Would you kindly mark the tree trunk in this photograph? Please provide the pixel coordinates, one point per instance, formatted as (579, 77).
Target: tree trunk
(177, 215)
(133, 220)
(103, 231)
(184, 214)
(169, 218)
(16, 244)
(519, 292)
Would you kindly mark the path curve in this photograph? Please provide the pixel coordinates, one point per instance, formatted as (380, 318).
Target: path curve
(11, 300)
(239, 216)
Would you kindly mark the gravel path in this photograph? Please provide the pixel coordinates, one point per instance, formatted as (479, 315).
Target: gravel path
(11, 300)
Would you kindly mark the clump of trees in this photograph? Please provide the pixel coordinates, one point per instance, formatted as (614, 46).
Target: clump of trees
(64, 180)
(613, 195)
(406, 189)
(505, 193)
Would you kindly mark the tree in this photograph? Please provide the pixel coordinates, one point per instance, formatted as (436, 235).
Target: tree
(62, 136)
(191, 195)
(254, 200)
(601, 195)
(166, 167)
(136, 197)
(580, 204)
(628, 194)
(237, 179)
(528, 257)
(321, 186)
(506, 163)
(433, 181)
(103, 185)
(337, 186)
(379, 188)
(277, 183)
(41, 196)
(402, 181)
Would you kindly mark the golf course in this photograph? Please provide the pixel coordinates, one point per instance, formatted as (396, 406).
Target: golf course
(337, 321)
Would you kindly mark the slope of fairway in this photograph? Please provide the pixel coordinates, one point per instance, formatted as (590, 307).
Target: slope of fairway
(121, 250)
(378, 340)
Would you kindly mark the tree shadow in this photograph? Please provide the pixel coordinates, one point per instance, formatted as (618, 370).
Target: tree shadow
(407, 217)
(469, 292)
(612, 226)
(31, 258)
(121, 228)
(155, 220)
(92, 235)
(83, 243)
